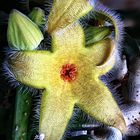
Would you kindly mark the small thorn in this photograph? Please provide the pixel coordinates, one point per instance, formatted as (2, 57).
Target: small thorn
(16, 128)
(25, 114)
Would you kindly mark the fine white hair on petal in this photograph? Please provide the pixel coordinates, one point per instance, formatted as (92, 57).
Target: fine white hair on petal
(9, 76)
(119, 71)
(92, 2)
(114, 18)
(47, 8)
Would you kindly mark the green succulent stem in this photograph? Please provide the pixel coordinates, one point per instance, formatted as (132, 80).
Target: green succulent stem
(22, 113)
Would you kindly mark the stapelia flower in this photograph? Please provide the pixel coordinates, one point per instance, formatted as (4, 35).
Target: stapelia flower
(70, 73)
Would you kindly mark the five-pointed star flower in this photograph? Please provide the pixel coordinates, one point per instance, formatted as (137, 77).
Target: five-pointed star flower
(70, 73)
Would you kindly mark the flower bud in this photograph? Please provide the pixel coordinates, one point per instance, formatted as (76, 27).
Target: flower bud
(22, 33)
(95, 34)
(37, 15)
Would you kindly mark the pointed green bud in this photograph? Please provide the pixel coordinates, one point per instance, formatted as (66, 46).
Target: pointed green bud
(38, 16)
(22, 33)
(95, 34)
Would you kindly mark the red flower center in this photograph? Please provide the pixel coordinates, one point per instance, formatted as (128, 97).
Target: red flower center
(68, 72)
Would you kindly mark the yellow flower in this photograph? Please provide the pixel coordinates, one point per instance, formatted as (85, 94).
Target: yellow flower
(70, 73)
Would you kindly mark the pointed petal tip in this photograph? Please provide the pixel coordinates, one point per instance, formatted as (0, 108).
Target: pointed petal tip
(120, 124)
(15, 13)
(65, 12)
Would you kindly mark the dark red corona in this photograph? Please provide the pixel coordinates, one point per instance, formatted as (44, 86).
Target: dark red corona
(69, 72)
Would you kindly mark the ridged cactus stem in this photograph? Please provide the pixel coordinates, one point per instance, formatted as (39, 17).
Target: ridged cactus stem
(22, 113)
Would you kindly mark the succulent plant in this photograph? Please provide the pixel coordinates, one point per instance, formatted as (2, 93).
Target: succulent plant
(64, 55)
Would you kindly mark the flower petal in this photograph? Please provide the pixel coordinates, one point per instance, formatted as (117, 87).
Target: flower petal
(31, 68)
(102, 54)
(68, 38)
(100, 104)
(56, 111)
(64, 12)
